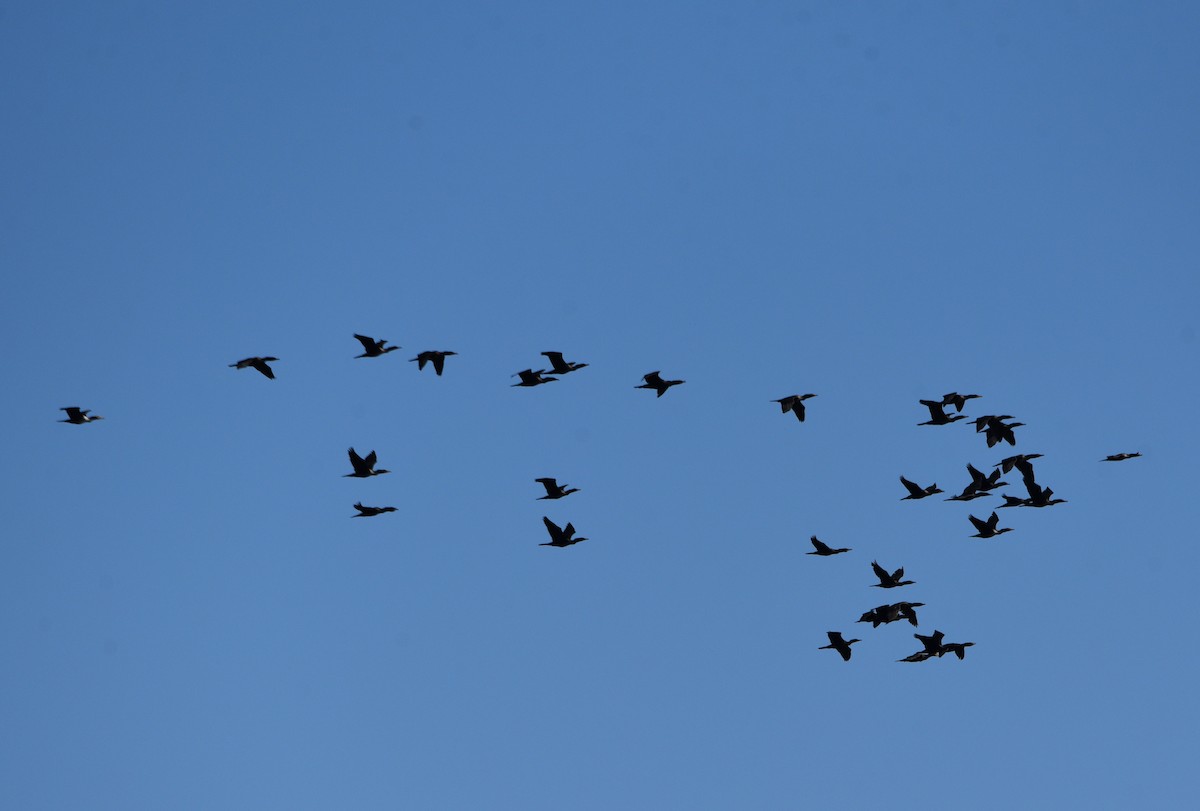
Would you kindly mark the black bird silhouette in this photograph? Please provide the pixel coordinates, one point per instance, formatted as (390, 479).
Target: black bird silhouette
(1120, 457)
(367, 512)
(889, 581)
(982, 423)
(78, 416)
(884, 614)
(1012, 501)
(937, 416)
(987, 529)
(823, 549)
(985, 482)
(559, 366)
(838, 644)
(554, 489)
(653, 381)
(560, 537)
(919, 656)
(915, 491)
(1021, 462)
(373, 348)
(256, 363)
(969, 493)
(1041, 496)
(957, 400)
(959, 649)
(531, 378)
(1002, 432)
(363, 467)
(435, 356)
(793, 403)
(932, 643)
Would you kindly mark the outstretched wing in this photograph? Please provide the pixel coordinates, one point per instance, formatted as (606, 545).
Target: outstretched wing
(369, 344)
(912, 487)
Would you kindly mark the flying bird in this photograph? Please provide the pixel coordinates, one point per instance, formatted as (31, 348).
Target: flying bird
(373, 348)
(823, 549)
(78, 416)
(957, 400)
(363, 467)
(559, 366)
(915, 491)
(838, 644)
(937, 415)
(884, 614)
(793, 403)
(256, 363)
(889, 581)
(435, 356)
(554, 489)
(1120, 457)
(1041, 496)
(560, 537)
(367, 512)
(959, 649)
(653, 381)
(1021, 462)
(987, 529)
(531, 378)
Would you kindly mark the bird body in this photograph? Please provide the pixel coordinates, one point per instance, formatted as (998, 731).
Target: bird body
(559, 366)
(889, 581)
(555, 490)
(838, 644)
(368, 512)
(435, 356)
(79, 416)
(957, 400)
(1120, 457)
(364, 467)
(257, 363)
(373, 348)
(794, 403)
(655, 381)
(937, 415)
(915, 491)
(987, 529)
(564, 536)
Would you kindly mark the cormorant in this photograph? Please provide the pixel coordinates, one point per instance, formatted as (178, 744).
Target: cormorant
(982, 423)
(531, 378)
(256, 363)
(1012, 501)
(838, 644)
(78, 416)
(884, 614)
(435, 356)
(959, 649)
(1120, 457)
(937, 416)
(919, 656)
(367, 512)
(984, 482)
(957, 400)
(889, 581)
(554, 489)
(1020, 462)
(793, 403)
(987, 529)
(373, 348)
(1000, 432)
(915, 491)
(364, 467)
(969, 493)
(823, 549)
(1040, 496)
(559, 366)
(560, 537)
(932, 643)
(653, 381)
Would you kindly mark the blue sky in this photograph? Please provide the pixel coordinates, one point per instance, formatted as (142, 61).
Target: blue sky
(874, 202)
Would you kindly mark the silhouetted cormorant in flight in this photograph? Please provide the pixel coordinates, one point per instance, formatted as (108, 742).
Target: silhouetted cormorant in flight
(838, 644)
(560, 537)
(373, 348)
(559, 366)
(959, 649)
(531, 378)
(1012, 501)
(932, 643)
(1020, 462)
(889, 581)
(884, 614)
(957, 400)
(78, 416)
(554, 489)
(367, 512)
(434, 356)
(969, 493)
(363, 468)
(823, 549)
(1120, 457)
(256, 363)
(937, 416)
(982, 423)
(987, 529)
(1040, 496)
(793, 403)
(653, 381)
(985, 482)
(1001, 432)
(915, 491)
(919, 656)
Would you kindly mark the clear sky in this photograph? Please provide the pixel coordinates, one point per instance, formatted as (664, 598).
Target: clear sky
(876, 202)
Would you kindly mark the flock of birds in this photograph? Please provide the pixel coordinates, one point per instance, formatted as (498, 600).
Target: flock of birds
(994, 427)
(996, 431)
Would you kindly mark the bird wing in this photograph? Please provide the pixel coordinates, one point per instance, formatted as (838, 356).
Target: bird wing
(439, 361)
(553, 528)
(551, 485)
(880, 572)
(653, 379)
(262, 366)
(912, 487)
(976, 476)
(357, 462)
(935, 409)
(980, 525)
(369, 344)
(819, 545)
(73, 412)
(370, 460)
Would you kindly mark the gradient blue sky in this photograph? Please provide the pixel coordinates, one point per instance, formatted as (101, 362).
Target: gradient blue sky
(876, 202)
